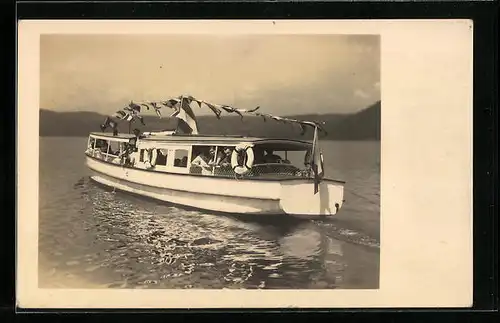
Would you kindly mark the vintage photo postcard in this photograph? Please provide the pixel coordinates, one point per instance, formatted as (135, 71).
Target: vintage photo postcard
(244, 164)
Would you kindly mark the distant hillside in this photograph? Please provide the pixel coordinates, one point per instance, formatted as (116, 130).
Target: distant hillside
(363, 125)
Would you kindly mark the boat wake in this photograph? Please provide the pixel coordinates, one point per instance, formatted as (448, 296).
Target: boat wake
(127, 241)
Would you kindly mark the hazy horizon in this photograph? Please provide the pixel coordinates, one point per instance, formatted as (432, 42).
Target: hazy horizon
(284, 74)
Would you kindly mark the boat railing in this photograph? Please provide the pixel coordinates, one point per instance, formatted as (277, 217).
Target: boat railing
(264, 170)
(97, 153)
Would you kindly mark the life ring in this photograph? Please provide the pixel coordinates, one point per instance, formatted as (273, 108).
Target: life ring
(248, 159)
(150, 157)
(147, 158)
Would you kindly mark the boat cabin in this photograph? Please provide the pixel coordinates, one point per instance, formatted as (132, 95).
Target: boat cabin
(200, 155)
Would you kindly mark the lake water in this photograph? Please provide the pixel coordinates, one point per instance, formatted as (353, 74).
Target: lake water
(92, 237)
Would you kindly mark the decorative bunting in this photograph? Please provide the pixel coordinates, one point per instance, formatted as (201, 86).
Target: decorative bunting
(184, 113)
(120, 115)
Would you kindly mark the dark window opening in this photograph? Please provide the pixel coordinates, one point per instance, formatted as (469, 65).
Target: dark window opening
(181, 158)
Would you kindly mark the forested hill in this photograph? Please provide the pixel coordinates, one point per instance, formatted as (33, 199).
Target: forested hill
(363, 125)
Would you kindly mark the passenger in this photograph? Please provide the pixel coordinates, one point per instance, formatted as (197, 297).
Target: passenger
(225, 161)
(204, 160)
(259, 156)
(223, 156)
(104, 147)
(184, 161)
(211, 156)
(271, 158)
(161, 158)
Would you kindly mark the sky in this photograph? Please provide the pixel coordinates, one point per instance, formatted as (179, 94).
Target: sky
(283, 74)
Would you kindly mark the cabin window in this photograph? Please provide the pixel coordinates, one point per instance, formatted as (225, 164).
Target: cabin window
(114, 148)
(279, 156)
(102, 145)
(296, 157)
(141, 156)
(202, 152)
(280, 160)
(161, 157)
(181, 158)
(210, 160)
(201, 160)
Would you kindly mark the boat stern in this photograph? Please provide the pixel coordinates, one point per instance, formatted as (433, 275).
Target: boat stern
(299, 199)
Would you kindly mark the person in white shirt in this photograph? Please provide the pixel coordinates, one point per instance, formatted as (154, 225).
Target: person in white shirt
(204, 161)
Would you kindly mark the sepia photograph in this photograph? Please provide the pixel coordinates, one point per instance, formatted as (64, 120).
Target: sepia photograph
(253, 161)
(240, 164)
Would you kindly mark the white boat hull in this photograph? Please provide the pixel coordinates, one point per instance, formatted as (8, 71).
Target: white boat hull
(228, 195)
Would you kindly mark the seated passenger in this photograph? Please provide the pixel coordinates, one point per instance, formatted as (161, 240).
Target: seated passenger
(226, 160)
(259, 156)
(224, 157)
(104, 148)
(203, 160)
(271, 158)
(184, 161)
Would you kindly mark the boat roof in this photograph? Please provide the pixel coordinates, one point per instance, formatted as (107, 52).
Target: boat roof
(201, 139)
(122, 137)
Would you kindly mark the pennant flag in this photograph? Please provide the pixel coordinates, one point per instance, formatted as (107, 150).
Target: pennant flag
(155, 106)
(129, 110)
(189, 99)
(120, 114)
(129, 117)
(253, 110)
(170, 103)
(231, 110)
(199, 102)
(317, 162)
(214, 109)
(135, 107)
(261, 115)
